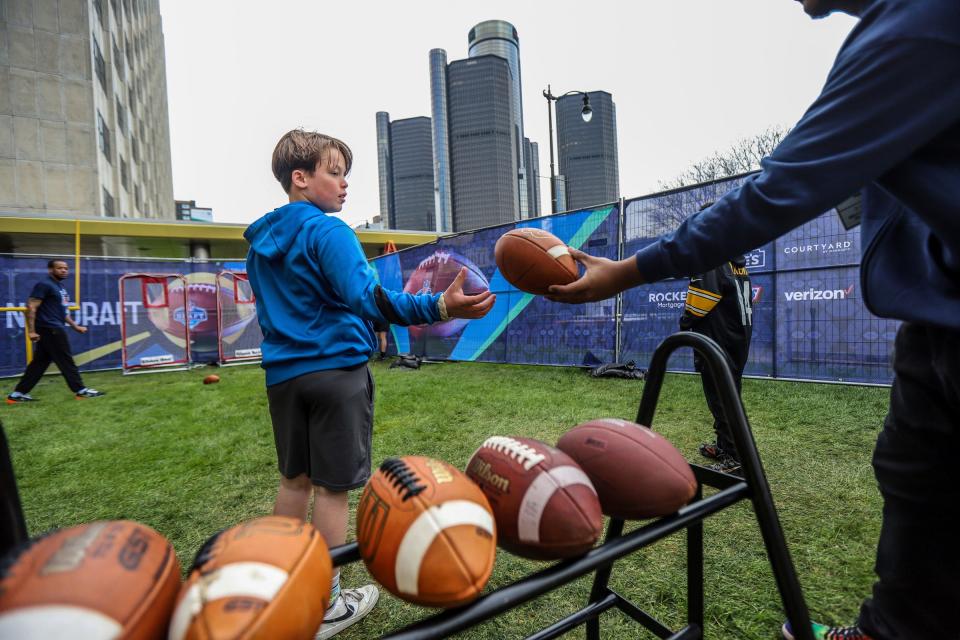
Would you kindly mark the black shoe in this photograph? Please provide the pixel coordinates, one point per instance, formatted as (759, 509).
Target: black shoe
(728, 464)
(382, 356)
(711, 450)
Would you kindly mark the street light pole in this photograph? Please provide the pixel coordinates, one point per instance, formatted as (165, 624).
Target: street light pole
(553, 177)
(586, 113)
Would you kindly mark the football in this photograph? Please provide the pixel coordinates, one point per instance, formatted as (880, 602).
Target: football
(425, 532)
(265, 578)
(108, 579)
(636, 471)
(211, 379)
(533, 259)
(433, 275)
(544, 504)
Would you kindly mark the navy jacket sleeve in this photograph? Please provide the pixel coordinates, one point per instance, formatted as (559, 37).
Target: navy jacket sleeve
(353, 280)
(880, 104)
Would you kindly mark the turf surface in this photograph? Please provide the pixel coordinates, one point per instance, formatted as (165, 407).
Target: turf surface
(190, 459)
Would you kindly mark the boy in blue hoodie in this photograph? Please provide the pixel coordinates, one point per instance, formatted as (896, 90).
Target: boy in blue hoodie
(887, 123)
(317, 299)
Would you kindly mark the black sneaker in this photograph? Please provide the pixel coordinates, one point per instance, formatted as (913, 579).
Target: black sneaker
(87, 392)
(728, 464)
(711, 450)
(16, 398)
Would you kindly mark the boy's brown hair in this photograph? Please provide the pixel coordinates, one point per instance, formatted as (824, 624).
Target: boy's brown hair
(299, 149)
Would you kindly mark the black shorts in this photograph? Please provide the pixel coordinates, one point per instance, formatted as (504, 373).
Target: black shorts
(380, 327)
(323, 426)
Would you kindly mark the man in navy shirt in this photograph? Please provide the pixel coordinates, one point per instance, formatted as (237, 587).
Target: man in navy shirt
(887, 123)
(46, 316)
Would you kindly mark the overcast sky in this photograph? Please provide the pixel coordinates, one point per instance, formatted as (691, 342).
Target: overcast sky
(689, 77)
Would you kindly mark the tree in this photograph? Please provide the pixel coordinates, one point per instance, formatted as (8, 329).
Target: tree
(743, 156)
(664, 213)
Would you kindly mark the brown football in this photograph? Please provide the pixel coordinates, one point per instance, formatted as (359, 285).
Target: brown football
(533, 259)
(265, 578)
(108, 579)
(425, 532)
(636, 471)
(544, 504)
(211, 379)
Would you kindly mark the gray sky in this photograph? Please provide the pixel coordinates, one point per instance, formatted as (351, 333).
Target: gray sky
(689, 77)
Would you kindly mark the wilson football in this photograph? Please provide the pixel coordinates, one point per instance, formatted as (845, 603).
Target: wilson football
(544, 504)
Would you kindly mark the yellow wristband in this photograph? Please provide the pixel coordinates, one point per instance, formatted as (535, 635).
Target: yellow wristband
(442, 308)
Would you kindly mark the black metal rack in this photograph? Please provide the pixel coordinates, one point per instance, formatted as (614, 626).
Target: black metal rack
(753, 486)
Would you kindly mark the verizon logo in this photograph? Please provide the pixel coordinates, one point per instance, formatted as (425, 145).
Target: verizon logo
(818, 294)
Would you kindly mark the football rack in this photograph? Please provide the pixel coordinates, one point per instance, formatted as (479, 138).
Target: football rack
(600, 560)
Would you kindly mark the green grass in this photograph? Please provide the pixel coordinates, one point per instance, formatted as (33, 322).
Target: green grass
(190, 459)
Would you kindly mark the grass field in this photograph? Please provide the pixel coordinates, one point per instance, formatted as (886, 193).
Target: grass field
(189, 460)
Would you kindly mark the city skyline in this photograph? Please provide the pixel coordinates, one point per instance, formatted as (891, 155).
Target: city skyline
(687, 81)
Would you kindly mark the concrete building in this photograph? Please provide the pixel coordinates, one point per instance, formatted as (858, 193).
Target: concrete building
(84, 128)
(483, 154)
(384, 168)
(587, 152)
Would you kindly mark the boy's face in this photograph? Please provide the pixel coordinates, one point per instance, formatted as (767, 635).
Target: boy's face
(327, 186)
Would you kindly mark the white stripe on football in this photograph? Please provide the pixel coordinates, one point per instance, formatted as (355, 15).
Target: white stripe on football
(251, 579)
(53, 622)
(424, 530)
(538, 495)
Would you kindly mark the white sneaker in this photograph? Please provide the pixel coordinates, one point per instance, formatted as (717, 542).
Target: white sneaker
(351, 606)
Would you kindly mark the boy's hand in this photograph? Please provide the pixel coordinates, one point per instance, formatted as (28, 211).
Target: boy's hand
(602, 279)
(460, 305)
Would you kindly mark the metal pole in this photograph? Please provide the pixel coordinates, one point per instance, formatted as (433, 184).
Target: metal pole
(553, 177)
(13, 531)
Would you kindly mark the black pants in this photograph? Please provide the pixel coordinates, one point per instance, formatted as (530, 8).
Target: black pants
(915, 462)
(720, 426)
(52, 346)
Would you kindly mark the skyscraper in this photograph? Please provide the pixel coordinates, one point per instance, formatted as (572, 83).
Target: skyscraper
(533, 177)
(83, 109)
(441, 147)
(483, 154)
(384, 166)
(499, 38)
(405, 156)
(587, 151)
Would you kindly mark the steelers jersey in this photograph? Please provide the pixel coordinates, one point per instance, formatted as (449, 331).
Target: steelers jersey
(719, 304)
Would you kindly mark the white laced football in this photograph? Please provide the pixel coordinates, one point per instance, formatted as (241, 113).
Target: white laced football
(523, 454)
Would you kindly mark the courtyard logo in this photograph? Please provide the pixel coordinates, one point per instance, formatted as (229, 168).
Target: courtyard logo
(818, 294)
(824, 247)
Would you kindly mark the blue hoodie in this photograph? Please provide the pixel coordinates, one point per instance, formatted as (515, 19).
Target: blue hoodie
(887, 122)
(316, 295)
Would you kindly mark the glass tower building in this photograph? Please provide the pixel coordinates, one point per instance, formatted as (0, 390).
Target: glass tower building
(441, 146)
(587, 151)
(533, 177)
(499, 38)
(483, 154)
(411, 154)
(384, 169)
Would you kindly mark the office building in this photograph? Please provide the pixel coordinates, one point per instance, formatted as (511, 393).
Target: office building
(587, 151)
(499, 38)
(409, 180)
(483, 155)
